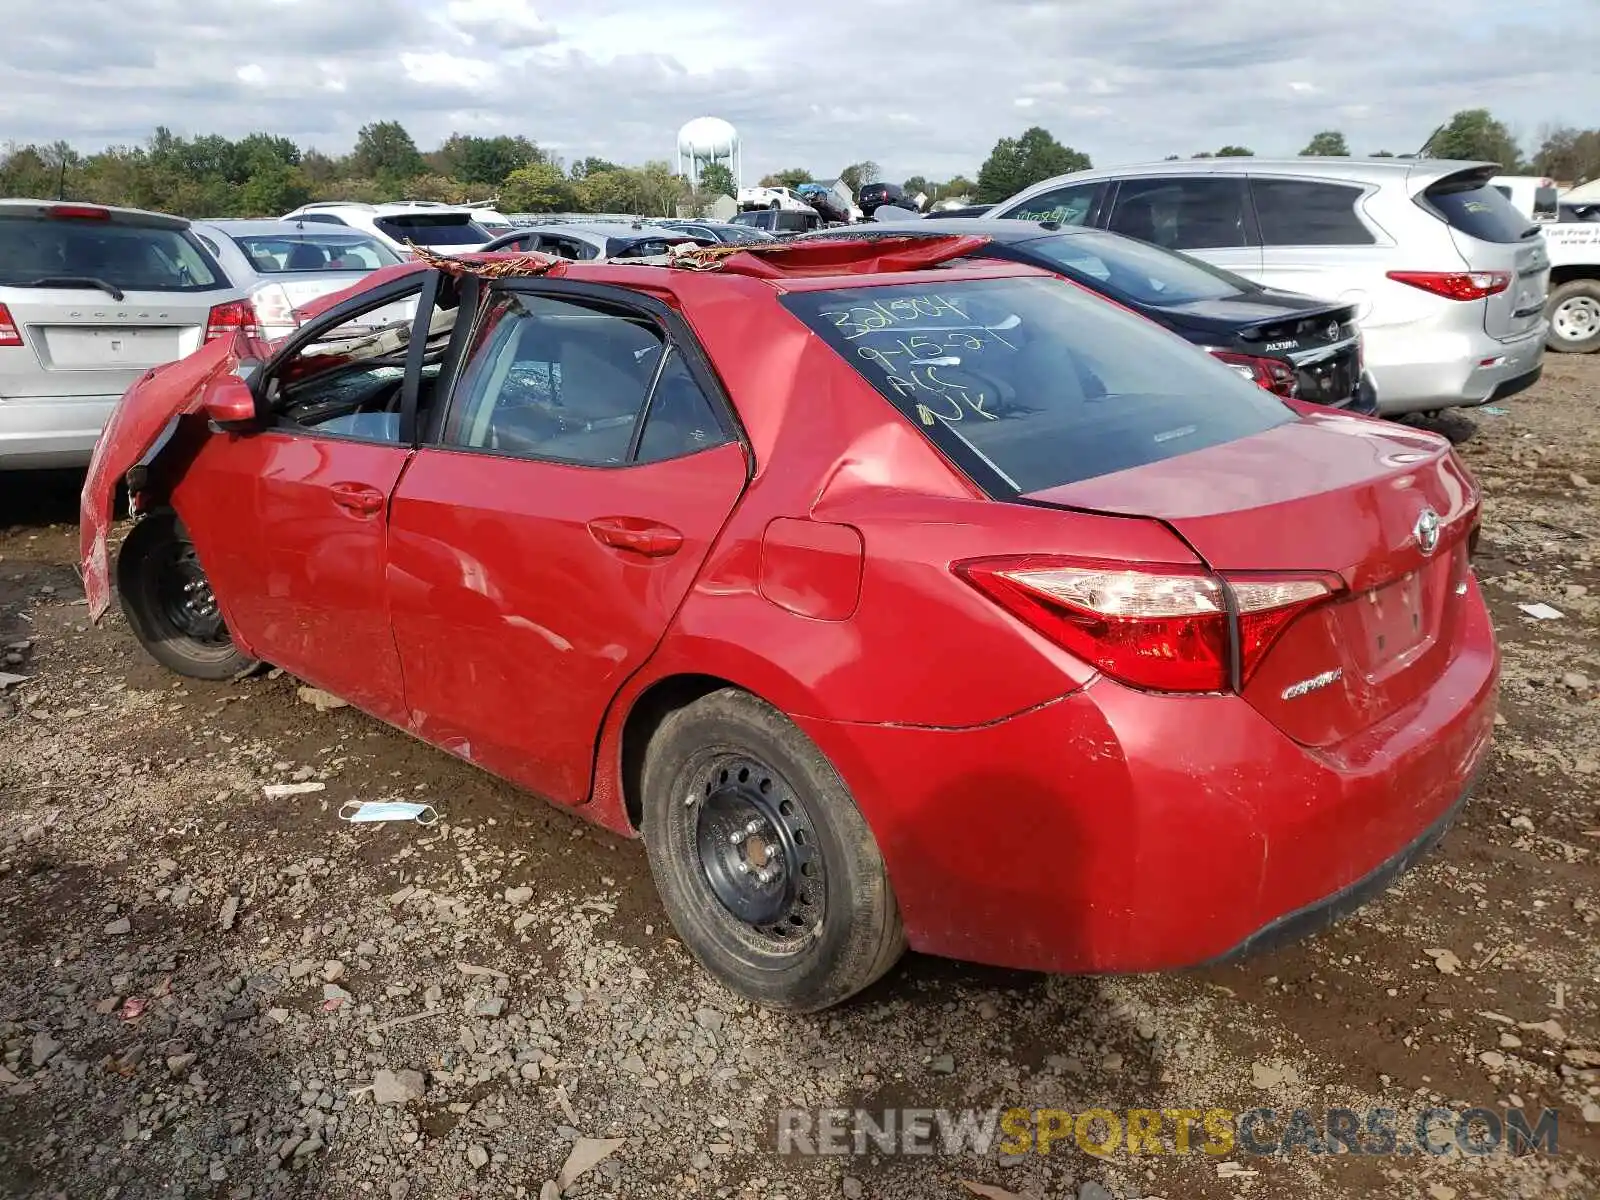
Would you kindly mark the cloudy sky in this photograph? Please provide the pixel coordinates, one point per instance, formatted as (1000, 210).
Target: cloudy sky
(919, 86)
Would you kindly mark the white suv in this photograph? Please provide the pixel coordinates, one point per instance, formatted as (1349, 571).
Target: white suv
(772, 197)
(434, 226)
(1448, 278)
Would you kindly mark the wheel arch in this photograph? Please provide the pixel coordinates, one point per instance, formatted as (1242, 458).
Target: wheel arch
(1573, 271)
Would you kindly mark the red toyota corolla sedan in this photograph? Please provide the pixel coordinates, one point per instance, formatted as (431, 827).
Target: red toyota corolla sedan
(892, 600)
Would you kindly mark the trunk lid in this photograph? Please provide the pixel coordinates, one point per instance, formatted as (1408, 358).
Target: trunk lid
(1335, 495)
(1490, 234)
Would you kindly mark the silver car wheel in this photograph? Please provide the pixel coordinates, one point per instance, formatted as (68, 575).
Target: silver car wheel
(1577, 318)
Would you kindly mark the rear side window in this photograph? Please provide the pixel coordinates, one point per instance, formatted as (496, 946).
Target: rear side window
(1295, 212)
(1032, 383)
(66, 252)
(1203, 213)
(1477, 209)
(434, 229)
(278, 253)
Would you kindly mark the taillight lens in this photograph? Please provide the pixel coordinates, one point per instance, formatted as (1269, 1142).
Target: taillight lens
(1161, 627)
(1456, 285)
(230, 318)
(274, 313)
(1273, 374)
(10, 335)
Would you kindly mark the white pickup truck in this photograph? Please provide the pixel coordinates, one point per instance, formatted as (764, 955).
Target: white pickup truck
(1573, 309)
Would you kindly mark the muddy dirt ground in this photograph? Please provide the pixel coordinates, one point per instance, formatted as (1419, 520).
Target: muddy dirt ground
(205, 993)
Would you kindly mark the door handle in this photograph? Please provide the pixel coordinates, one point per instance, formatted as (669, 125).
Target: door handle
(649, 538)
(358, 498)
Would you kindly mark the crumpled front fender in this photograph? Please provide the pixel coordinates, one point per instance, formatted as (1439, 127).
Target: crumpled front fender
(135, 429)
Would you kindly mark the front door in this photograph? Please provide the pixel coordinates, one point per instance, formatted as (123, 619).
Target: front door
(322, 472)
(542, 541)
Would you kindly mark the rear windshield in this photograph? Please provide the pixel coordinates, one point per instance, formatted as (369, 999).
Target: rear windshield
(282, 253)
(1032, 383)
(1136, 271)
(434, 229)
(45, 251)
(1478, 210)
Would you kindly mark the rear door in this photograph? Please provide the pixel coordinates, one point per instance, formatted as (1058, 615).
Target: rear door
(1314, 239)
(97, 296)
(548, 530)
(1492, 235)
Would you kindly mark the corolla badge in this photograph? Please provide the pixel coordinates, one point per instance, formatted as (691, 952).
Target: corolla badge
(1427, 531)
(1295, 690)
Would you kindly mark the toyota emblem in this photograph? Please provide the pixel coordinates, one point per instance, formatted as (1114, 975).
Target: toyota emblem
(1427, 531)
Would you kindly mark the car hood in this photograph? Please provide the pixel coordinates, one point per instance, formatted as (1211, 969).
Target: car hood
(137, 429)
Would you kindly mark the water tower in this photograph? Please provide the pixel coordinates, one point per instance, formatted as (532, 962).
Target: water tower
(707, 140)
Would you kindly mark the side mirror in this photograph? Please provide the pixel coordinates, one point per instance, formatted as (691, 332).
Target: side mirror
(228, 401)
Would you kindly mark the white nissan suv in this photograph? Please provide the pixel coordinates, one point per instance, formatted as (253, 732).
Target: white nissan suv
(1449, 279)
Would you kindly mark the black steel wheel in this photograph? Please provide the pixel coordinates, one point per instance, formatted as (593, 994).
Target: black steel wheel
(169, 602)
(766, 867)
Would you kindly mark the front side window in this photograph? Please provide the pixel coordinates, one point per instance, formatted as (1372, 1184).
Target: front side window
(1034, 383)
(1200, 213)
(1065, 205)
(348, 380)
(568, 381)
(1295, 212)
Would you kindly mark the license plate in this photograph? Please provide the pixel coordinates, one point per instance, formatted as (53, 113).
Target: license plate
(106, 346)
(1394, 617)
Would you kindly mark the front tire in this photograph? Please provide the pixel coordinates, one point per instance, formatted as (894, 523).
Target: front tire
(766, 867)
(1575, 317)
(169, 604)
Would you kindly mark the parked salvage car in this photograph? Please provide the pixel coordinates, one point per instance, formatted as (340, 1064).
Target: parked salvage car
(826, 202)
(595, 241)
(90, 298)
(779, 223)
(1451, 279)
(719, 231)
(1289, 344)
(874, 196)
(281, 265)
(434, 226)
(895, 599)
(772, 197)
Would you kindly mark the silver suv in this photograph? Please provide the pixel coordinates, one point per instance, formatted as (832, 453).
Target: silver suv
(1448, 277)
(91, 298)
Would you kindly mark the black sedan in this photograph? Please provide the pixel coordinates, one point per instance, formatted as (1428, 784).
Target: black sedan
(1288, 343)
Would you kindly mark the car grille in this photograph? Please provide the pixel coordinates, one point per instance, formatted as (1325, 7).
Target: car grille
(1331, 380)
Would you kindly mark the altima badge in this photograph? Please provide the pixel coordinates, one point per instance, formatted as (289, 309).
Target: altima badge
(1427, 531)
(1295, 690)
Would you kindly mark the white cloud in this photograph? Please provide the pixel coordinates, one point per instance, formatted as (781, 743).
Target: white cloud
(618, 77)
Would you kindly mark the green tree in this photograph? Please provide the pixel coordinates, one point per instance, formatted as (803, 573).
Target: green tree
(1329, 143)
(1016, 163)
(586, 167)
(485, 160)
(917, 183)
(957, 185)
(613, 191)
(790, 178)
(1474, 134)
(1172, 158)
(28, 171)
(1569, 154)
(385, 151)
(857, 175)
(1381, 154)
(717, 180)
(1203, 154)
(537, 187)
(273, 190)
(1236, 152)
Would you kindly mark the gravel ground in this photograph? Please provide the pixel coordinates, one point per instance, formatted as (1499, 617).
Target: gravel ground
(204, 992)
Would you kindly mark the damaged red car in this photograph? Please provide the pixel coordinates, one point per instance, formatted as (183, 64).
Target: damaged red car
(892, 600)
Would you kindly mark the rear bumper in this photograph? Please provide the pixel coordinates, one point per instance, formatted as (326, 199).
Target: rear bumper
(1118, 831)
(51, 431)
(1420, 371)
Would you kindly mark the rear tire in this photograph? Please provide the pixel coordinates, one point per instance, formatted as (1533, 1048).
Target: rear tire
(796, 912)
(169, 604)
(1574, 310)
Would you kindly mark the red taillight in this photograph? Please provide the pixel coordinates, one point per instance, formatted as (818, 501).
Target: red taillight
(230, 318)
(78, 212)
(1273, 374)
(10, 335)
(1456, 285)
(1161, 627)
